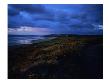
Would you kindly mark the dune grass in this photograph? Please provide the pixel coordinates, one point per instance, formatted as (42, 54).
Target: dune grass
(61, 57)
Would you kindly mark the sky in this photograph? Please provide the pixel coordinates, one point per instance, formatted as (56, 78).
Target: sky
(45, 19)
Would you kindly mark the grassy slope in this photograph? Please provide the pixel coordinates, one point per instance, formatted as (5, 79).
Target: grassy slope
(62, 57)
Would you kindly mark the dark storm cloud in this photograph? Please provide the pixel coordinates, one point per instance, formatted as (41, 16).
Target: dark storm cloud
(33, 13)
(66, 18)
(29, 8)
(95, 13)
(12, 11)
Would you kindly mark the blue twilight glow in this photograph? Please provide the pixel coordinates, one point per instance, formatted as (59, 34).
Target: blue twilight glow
(43, 19)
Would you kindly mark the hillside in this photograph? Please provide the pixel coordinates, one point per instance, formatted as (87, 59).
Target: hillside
(62, 57)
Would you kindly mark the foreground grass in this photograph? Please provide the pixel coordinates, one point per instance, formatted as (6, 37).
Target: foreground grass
(62, 57)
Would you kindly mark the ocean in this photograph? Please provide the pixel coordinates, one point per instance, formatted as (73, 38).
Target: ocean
(24, 39)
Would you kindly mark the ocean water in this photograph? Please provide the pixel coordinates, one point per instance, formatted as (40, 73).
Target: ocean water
(23, 39)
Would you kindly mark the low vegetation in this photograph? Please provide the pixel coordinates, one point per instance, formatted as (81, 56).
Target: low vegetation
(61, 57)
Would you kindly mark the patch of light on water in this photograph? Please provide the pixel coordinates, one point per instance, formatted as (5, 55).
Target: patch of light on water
(16, 40)
(24, 41)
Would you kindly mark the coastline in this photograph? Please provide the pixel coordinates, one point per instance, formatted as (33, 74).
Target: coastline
(61, 57)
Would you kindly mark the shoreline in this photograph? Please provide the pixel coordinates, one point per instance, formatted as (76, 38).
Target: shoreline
(32, 42)
(62, 57)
